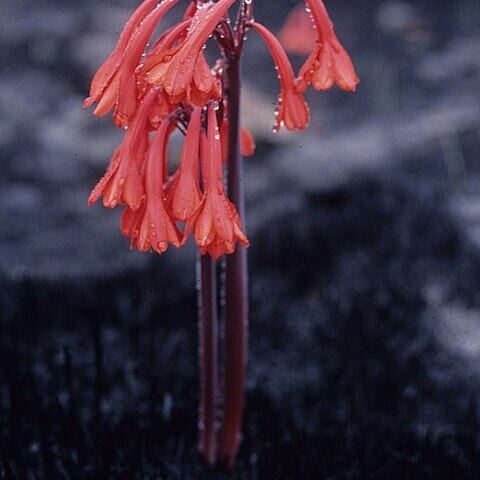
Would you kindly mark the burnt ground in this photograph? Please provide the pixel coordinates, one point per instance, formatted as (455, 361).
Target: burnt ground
(365, 268)
(349, 374)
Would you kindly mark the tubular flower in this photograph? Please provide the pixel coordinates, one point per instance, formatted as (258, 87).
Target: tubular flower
(120, 89)
(216, 224)
(185, 196)
(183, 71)
(164, 43)
(292, 109)
(122, 183)
(328, 63)
(146, 87)
(152, 226)
(107, 71)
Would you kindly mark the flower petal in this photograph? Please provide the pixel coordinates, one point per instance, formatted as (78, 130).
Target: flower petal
(292, 109)
(127, 98)
(176, 68)
(109, 68)
(156, 228)
(185, 196)
(122, 181)
(328, 63)
(216, 223)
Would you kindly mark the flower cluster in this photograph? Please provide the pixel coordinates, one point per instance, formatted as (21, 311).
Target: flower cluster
(157, 86)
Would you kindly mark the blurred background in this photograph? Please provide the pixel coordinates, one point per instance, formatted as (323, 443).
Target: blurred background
(364, 260)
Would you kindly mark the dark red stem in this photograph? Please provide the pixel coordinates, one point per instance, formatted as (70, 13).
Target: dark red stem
(208, 353)
(236, 284)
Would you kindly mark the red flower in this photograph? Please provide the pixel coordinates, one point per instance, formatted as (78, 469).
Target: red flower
(216, 224)
(292, 109)
(183, 71)
(328, 63)
(105, 73)
(122, 183)
(185, 196)
(165, 42)
(119, 69)
(151, 226)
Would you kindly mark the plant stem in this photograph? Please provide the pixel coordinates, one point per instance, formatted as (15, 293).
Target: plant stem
(236, 298)
(208, 353)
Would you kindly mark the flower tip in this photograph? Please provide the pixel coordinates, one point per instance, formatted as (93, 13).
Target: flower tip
(162, 247)
(92, 199)
(214, 254)
(348, 85)
(354, 85)
(110, 204)
(89, 101)
(177, 243)
(120, 119)
(184, 239)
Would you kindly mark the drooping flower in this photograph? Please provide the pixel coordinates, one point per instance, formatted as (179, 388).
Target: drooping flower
(183, 71)
(119, 89)
(151, 226)
(185, 196)
(297, 35)
(122, 182)
(292, 108)
(328, 63)
(216, 224)
(165, 42)
(107, 71)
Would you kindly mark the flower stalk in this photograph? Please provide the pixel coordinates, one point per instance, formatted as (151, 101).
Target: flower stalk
(236, 285)
(208, 360)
